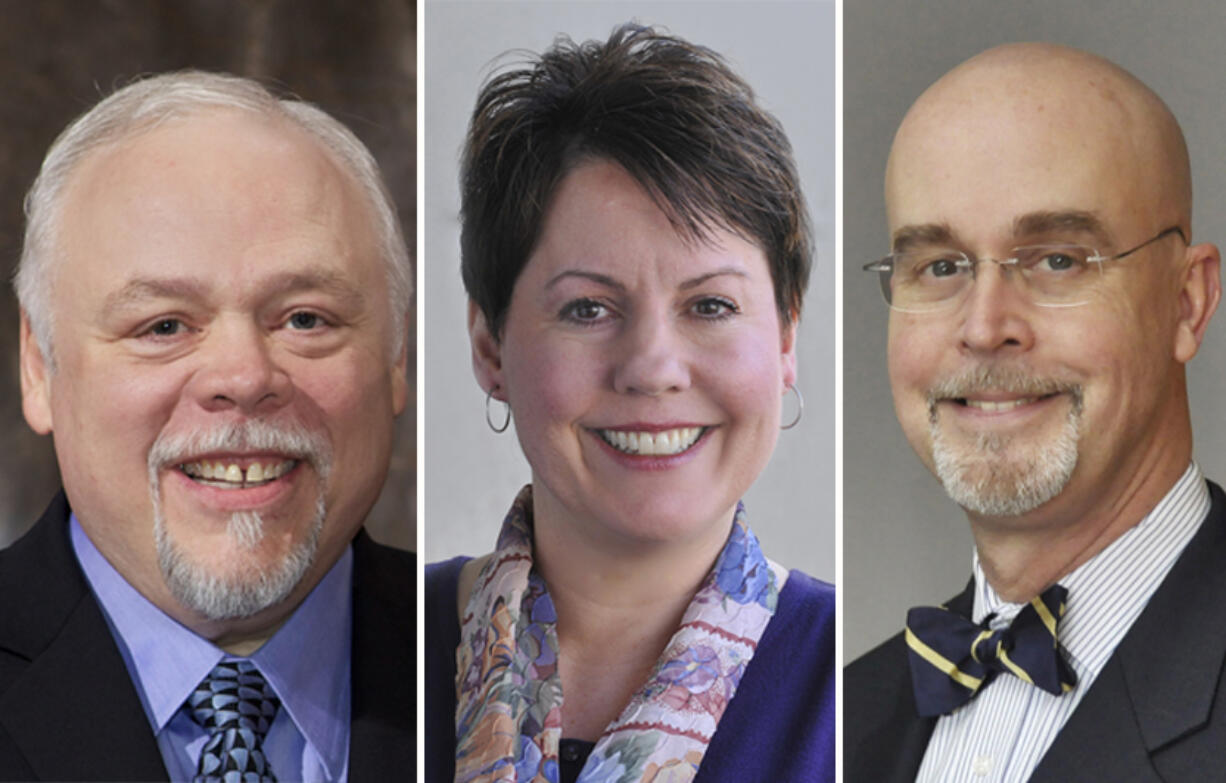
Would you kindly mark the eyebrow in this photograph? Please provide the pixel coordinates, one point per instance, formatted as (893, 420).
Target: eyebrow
(908, 237)
(1064, 222)
(610, 282)
(595, 277)
(326, 280)
(1028, 225)
(145, 289)
(694, 282)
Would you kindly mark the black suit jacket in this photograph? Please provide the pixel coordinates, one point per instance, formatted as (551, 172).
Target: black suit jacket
(69, 711)
(1157, 712)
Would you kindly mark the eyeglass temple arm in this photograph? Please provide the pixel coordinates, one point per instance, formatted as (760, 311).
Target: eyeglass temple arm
(1164, 233)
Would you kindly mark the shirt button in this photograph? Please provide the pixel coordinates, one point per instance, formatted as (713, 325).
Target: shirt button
(981, 766)
(569, 752)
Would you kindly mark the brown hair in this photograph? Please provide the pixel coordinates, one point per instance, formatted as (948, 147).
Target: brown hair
(671, 113)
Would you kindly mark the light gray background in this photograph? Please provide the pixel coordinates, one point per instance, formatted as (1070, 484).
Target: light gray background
(785, 50)
(904, 543)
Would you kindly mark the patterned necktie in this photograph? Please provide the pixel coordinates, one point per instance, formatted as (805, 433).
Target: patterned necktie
(952, 658)
(235, 706)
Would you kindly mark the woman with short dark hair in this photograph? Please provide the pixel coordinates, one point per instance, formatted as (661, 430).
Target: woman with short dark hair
(635, 248)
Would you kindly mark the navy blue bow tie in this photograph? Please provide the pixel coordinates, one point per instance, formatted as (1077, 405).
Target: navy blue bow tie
(952, 658)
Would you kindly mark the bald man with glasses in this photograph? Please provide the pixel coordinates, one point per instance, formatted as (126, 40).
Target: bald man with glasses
(1044, 300)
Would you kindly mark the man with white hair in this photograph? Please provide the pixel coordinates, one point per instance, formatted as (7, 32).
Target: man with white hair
(1045, 298)
(215, 291)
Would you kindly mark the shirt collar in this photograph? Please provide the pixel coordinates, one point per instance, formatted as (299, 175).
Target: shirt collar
(1108, 592)
(168, 660)
(316, 640)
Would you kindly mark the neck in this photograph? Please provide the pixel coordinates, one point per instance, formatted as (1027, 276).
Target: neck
(1022, 556)
(618, 604)
(242, 636)
(601, 586)
(244, 643)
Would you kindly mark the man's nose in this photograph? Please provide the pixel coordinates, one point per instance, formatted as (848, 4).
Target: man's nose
(238, 370)
(995, 313)
(652, 358)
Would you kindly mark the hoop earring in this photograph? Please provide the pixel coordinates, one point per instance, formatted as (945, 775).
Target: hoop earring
(800, 408)
(506, 421)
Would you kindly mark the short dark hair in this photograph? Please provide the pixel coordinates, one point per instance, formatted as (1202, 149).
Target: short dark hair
(671, 113)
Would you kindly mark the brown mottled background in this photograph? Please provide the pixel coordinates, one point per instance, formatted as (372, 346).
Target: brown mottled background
(356, 60)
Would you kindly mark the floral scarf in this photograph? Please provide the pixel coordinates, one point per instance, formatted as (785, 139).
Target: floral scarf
(509, 693)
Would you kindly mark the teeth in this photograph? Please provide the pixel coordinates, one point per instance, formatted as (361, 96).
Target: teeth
(231, 476)
(996, 407)
(653, 444)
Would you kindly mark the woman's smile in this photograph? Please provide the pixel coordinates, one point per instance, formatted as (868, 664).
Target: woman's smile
(651, 443)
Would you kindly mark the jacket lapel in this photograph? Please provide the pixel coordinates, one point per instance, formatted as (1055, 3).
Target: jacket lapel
(886, 739)
(72, 711)
(1159, 687)
(383, 733)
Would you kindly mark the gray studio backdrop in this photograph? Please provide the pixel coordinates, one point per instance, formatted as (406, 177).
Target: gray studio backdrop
(904, 543)
(59, 57)
(785, 50)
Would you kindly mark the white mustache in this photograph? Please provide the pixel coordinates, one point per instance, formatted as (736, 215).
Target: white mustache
(289, 438)
(1000, 378)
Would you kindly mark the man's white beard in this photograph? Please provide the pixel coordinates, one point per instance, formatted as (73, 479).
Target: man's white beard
(996, 476)
(241, 594)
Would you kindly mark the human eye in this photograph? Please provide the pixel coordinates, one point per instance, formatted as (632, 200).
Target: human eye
(584, 311)
(929, 266)
(1061, 260)
(940, 267)
(163, 329)
(714, 308)
(305, 321)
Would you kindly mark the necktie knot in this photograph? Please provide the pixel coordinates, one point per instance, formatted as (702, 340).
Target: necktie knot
(989, 646)
(952, 658)
(236, 706)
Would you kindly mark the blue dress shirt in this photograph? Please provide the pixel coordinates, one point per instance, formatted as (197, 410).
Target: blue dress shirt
(309, 738)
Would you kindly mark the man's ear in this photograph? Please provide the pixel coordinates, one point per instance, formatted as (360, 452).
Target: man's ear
(35, 380)
(400, 369)
(1199, 293)
(487, 353)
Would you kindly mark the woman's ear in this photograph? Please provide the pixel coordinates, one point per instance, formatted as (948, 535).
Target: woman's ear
(487, 353)
(788, 352)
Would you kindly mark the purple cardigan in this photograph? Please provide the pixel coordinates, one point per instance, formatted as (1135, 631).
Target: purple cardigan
(778, 726)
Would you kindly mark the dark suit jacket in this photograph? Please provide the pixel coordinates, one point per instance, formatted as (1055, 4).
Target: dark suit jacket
(1157, 712)
(69, 711)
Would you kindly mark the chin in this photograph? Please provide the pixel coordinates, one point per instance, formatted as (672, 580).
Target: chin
(243, 581)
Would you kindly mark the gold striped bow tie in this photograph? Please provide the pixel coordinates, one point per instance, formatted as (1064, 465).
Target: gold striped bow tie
(952, 658)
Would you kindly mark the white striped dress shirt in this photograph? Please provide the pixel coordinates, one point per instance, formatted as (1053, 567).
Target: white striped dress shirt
(1001, 735)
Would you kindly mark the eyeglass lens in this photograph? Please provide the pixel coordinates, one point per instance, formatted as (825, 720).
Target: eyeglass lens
(932, 278)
